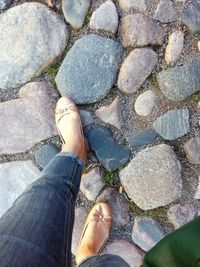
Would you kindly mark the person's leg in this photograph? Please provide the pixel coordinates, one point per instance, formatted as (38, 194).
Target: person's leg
(36, 231)
(104, 261)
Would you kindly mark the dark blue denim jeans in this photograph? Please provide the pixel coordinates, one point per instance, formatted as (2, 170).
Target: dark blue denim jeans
(37, 230)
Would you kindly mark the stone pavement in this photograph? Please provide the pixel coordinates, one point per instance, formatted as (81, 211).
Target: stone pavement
(134, 67)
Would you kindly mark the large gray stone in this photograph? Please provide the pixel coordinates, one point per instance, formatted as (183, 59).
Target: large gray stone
(75, 11)
(136, 68)
(153, 178)
(146, 232)
(43, 38)
(173, 124)
(89, 69)
(174, 47)
(191, 17)
(132, 5)
(126, 250)
(119, 205)
(14, 178)
(180, 82)
(29, 119)
(145, 137)
(165, 12)
(179, 214)
(92, 183)
(86, 117)
(105, 18)
(192, 150)
(138, 30)
(111, 113)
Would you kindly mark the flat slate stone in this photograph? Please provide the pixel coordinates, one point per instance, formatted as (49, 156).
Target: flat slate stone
(31, 117)
(146, 233)
(138, 30)
(153, 178)
(37, 48)
(105, 18)
(146, 137)
(165, 12)
(75, 11)
(92, 183)
(126, 250)
(191, 17)
(4, 4)
(132, 5)
(119, 205)
(89, 69)
(14, 178)
(136, 68)
(45, 154)
(178, 83)
(86, 117)
(192, 150)
(179, 214)
(109, 153)
(173, 124)
(110, 114)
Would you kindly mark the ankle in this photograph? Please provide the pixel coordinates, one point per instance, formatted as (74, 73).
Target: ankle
(84, 252)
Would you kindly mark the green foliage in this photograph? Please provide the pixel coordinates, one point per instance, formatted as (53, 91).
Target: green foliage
(52, 72)
(110, 177)
(196, 98)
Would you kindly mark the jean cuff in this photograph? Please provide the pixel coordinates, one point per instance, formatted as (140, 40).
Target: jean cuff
(71, 155)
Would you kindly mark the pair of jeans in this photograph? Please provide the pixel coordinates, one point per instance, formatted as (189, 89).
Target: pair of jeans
(37, 230)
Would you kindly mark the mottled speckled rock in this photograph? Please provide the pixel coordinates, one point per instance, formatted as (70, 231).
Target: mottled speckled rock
(153, 178)
(92, 183)
(4, 4)
(119, 205)
(109, 153)
(45, 154)
(26, 57)
(86, 117)
(81, 214)
(174, 47)
(111, 113)
(198, 45)
(179, 215)
(132, 5)
(145, 103)
(192, 150)
(138, 30)
(191, 17)
(31, 117)
(173, 124)
(180, 82)
(14, 178)
(126, 250)
(105, 18)
(148, 136)
(136, 68)
(75, 11)
(89, 69)
(165, 12)
(146, 233)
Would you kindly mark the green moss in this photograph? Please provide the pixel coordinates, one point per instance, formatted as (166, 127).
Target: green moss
(155, 84)
(52, 72)
(110, 177)
(196, 98)
(149, 213)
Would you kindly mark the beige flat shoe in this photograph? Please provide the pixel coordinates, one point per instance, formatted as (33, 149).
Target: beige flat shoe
(66, 107)
(96, 231)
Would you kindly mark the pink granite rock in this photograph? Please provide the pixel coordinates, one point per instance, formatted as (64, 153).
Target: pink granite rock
(29, 119)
